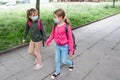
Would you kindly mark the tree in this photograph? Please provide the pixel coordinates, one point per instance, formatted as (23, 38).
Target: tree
(38, 6)
(113, 3)
(50, 0)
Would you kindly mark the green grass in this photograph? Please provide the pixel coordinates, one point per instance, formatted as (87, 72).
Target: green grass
(12, 19)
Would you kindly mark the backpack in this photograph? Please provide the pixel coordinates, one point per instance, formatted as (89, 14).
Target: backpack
(74, 42)
(39, 25)
(39, 28)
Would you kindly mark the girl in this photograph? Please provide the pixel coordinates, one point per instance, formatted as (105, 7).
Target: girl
(35, 35)
(64, 45)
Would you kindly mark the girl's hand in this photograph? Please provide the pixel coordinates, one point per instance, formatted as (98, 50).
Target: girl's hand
(70, 54)
(46, 46)
(24, 41)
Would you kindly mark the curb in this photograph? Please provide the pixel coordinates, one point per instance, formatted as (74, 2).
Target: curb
(14, 48)
(23, 45)
(94, 21)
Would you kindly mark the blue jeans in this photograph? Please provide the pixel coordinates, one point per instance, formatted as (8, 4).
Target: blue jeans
(61, 56)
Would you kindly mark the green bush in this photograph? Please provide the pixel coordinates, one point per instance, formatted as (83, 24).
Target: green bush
(13, 19)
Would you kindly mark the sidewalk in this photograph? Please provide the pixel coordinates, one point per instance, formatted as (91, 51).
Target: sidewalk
(97, 56)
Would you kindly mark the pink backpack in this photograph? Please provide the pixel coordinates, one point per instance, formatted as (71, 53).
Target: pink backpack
(39, 25)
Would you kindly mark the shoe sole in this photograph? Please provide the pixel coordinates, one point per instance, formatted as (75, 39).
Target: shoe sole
(71, 70)
(38, 68)
(52, 77)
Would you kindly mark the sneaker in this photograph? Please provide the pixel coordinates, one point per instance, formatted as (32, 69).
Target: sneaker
(38, 66)
(71, 67)
(55, 75)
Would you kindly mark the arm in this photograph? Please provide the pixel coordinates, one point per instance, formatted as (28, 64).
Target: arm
(70, 40)
(43, 31)
(51, 37)
(26, 32)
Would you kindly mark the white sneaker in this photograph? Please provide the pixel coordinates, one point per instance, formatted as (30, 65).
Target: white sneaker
(38, 66)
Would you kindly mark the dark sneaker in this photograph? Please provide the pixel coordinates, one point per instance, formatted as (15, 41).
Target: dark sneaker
(55, 75)
(71, 67)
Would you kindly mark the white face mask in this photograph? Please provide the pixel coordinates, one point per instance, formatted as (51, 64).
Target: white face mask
(56, 20)
(34, 18)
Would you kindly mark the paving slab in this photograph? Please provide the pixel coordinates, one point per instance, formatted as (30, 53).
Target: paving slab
(97, 56)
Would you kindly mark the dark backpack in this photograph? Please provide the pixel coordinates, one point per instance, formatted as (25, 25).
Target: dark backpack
(74, 42)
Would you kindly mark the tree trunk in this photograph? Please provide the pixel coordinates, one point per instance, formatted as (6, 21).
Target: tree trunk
(113, 3)
(59, 0)
(38, 6)
(50, 0)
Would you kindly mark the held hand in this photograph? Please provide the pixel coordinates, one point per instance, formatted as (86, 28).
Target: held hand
(24, 41)
(46, 45)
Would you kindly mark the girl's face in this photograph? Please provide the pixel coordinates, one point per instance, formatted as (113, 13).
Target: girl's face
(57, 19)
(33, 15)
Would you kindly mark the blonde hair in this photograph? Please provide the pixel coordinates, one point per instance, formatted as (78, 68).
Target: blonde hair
(61, 12)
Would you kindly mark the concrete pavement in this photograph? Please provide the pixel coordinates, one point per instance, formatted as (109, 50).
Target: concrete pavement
(97, 56)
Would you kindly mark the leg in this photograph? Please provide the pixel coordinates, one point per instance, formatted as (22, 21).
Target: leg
(31, 48)
(64, 56)
(37, 52)
(57, 60)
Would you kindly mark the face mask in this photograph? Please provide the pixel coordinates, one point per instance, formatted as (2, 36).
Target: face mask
(34, 18)
(56, 20)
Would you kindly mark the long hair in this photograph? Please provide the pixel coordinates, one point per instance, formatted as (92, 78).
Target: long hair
(61, 12)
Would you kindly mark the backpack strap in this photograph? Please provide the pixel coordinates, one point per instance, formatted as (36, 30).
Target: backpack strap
(28, 23)
(66, 30)
(39, 25)
(54, 26)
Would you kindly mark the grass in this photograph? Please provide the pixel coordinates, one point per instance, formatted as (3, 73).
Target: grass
(79, 13)
(12, 19)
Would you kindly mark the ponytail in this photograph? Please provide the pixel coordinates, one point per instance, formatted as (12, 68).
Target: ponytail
(66, 20)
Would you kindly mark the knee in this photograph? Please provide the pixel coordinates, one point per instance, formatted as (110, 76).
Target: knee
(63, 61)
(57, 61)
(30, 52)
(37, 53)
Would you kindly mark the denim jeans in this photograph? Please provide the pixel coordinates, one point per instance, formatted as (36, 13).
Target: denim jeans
(61, 56)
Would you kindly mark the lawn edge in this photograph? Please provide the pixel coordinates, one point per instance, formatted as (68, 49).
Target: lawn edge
(26, 44)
